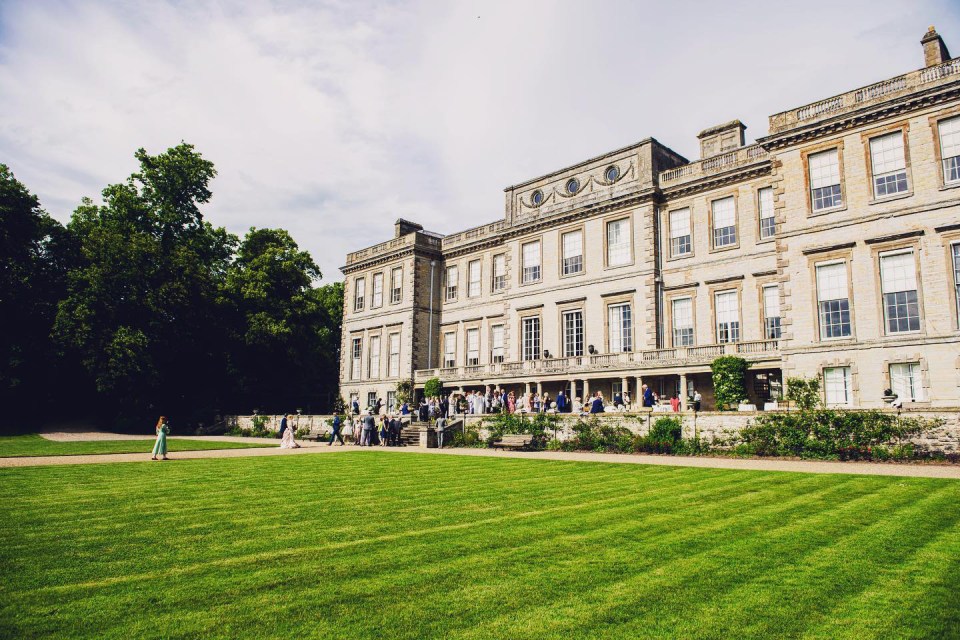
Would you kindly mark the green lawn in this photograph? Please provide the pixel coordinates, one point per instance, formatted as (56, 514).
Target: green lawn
(386, 545)
(35, 445)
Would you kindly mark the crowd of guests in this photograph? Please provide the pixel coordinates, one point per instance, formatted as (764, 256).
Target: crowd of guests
(492, 400)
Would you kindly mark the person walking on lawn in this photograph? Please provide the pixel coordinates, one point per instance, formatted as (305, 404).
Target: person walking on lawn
(335, 434)
(160, 446)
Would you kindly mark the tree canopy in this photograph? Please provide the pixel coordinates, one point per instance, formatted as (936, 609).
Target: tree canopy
(158, 311)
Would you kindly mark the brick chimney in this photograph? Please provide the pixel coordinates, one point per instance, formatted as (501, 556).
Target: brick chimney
(934, 51)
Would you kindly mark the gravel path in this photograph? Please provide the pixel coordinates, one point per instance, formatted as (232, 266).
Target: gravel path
(863, 468)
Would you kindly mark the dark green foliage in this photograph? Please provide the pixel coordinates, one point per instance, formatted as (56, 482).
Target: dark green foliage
(728, 380)
(35, 251)
(433, 388)
(404, 392)
(667, 429)
(141, 307)
(804, 393)
(844, 435)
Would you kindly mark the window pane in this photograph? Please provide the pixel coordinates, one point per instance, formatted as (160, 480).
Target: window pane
(834, 306)
(473, 273)
(357, 349)
(449, 349)
(618, 242)
(956, 276)
(473, 346)
(905, 381)
(899, 283)
(889, 166)
(374, 366)
(768, 224)
(496, 342)
(453, 279)
(724, 222)
(499, 272)
(531, 262)
(396, 284)
(359, 294)
(771, 312)
(680, 232)
(572, 252)
(572, 333)
(620, 328)
(377, 290)
(837, 385)
(394, 362)
(950, 148)
(682, 313)
(531, 338)
(825, 179)
(728, 316)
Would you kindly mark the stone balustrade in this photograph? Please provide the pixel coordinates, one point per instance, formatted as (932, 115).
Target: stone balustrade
(420, 238)
(601, 362)
(711, 166)
(866, 96)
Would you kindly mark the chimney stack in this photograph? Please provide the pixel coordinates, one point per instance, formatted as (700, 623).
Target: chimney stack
(404, 227)
(934, 51)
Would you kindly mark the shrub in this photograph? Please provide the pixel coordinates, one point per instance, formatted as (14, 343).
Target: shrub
(469, 437)
(536, 425)
(404, 392)
(804, 392)
(433, 388)
(824, 433)
(667, 429)
(728, 380)
(302, 432)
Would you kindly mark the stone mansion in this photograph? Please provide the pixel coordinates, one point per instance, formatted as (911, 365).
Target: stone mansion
(829, 248)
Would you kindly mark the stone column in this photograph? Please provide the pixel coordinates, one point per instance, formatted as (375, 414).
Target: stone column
(539, 388)
(624, 385)
(573, 389)
(586, 389)
(683, 392)
(526, 387)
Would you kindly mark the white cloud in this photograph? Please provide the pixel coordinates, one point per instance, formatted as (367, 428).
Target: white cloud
(333, 119)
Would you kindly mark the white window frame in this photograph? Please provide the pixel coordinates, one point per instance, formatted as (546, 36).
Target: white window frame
(888, 163)
(359, 293)
(770, 293)
(826, 288)
(531, 333)
(473, 279)
(620, 327)
(472, 339)
(393, 358)
(396, 285)
(571, 253)
(499, 282)
(681, 236)
(356, 358)
(955, 260)
(948, 131)
(826, 182)
(376, 298)
(898, 285)
(449, 349)
(572, 324)
(723, 211)
(906, 380)
(531, 272)
(837, 380)
(373, 357)
(497, 333)
(727, 318)
(681, 320)
(452, 272)
(766, 214)
(619, 248)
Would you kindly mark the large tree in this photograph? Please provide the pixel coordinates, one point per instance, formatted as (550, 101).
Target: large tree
(33, 252)
(285, 332)
(141, 309)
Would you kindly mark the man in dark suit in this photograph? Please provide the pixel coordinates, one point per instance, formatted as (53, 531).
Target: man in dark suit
(561, 402)
(597, 405)
(283, 426)
(355, 405)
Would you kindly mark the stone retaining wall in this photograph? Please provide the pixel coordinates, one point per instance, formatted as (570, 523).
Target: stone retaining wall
(273, 421)
(711, 425)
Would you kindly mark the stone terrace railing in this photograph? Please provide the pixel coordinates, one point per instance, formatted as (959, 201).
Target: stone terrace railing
(636, 360)
(476, 233)
(422, 239)
(717, 164)
(866, 96)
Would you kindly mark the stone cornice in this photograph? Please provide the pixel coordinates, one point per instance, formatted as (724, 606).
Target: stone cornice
(707, 183)
(374, 261)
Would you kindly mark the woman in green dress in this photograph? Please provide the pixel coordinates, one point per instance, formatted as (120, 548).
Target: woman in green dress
(161, 444)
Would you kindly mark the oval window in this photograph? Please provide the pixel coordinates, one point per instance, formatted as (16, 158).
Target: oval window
(573, 185)
(612, 173)
(537, 198)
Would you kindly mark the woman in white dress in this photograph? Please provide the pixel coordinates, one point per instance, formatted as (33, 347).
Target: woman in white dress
(287, 441)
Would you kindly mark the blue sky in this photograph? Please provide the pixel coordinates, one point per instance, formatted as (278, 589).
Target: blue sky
(332, 119)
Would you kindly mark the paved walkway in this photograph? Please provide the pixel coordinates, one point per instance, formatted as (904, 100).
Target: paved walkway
(862, 468)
